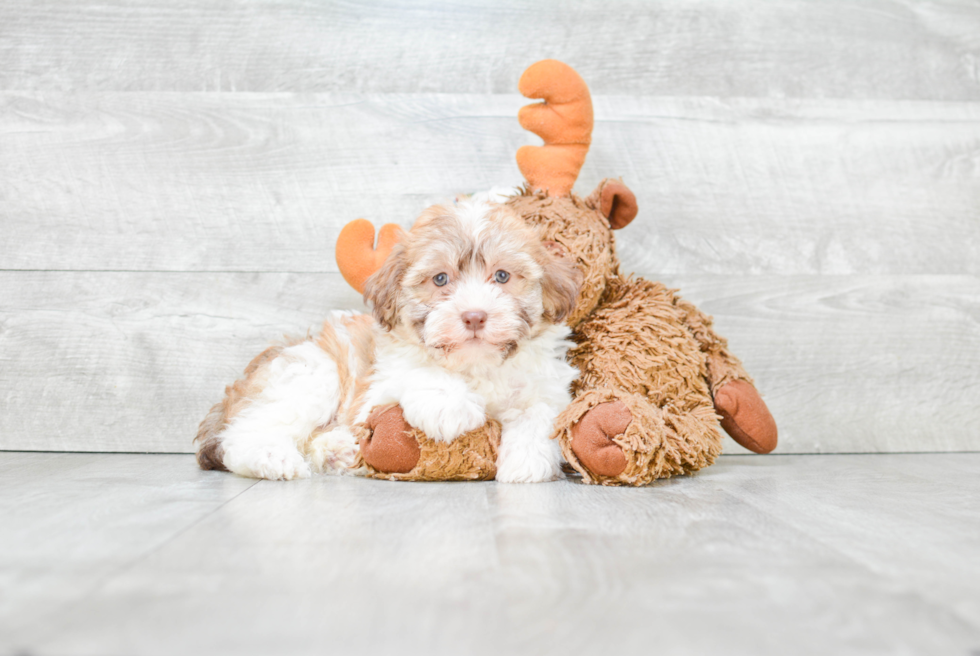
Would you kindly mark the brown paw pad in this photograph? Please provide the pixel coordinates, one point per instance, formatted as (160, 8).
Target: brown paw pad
(591, 438)
(390, 448)
(745, 417)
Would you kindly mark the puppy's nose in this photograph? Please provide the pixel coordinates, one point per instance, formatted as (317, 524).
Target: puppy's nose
(475, 319)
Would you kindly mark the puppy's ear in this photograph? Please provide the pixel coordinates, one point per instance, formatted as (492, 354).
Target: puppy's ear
(381, 289)
(561, 283)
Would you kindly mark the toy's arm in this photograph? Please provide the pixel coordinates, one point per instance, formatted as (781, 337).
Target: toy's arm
(424, 424)
(723, 366)
(744, 415)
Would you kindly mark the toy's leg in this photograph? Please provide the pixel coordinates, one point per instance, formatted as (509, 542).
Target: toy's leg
(651, 442)
(744, 414)
(391, 448)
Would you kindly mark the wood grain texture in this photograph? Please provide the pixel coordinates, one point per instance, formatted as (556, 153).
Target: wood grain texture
(883, 518)
(892, 49)
(259, 182)
(755, 556)
(71, 522)
(131, 361)
(656, 565)
(856, 363)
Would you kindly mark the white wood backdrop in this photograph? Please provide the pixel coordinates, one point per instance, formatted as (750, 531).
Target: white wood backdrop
(173, 178)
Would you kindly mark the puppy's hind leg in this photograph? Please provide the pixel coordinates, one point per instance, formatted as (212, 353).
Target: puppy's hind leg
(289, 398)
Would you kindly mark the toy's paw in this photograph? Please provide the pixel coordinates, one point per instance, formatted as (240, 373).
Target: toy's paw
(275, 462)
(591, 438)
(390, 448)
(745, 417)
(446, 415)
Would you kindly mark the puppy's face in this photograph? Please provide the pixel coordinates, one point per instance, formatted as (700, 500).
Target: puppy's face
(471, 283)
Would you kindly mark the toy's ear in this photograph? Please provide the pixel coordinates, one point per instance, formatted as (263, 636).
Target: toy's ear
(617, 203)
(561, 283)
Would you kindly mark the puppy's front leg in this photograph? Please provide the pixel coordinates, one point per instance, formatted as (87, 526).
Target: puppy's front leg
(441, 405)
(527, 452)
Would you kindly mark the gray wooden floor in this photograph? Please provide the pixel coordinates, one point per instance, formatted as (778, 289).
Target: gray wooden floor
(145, 554)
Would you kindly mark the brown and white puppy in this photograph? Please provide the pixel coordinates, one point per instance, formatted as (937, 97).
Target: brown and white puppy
(467, 325)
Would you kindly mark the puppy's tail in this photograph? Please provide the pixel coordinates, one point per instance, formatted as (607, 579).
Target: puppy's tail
(563, 120)
(357, 256)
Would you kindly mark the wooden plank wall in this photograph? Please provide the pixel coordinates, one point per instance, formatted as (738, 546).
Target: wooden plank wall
(173, 178)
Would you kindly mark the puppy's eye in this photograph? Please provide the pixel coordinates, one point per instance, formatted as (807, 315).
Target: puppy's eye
(440, 279)
(501, 276)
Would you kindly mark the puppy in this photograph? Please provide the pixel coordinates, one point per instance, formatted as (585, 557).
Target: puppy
(466, 325)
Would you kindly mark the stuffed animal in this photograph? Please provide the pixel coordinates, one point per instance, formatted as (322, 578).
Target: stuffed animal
(656, 381)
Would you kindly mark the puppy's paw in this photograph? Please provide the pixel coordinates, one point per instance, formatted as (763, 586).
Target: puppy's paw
(334, 451)
(446, 415)
(529, 463)
(532, 470)
(275, 462)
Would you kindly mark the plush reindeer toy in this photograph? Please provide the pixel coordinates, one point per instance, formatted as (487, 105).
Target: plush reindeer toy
(657, 382)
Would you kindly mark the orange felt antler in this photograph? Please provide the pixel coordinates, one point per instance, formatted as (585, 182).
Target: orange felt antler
(356, 255)
(563, 120)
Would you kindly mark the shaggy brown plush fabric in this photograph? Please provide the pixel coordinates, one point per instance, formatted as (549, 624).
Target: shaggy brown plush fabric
(470, 457)
(657, 443)
(583, 234)
(651, 362)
